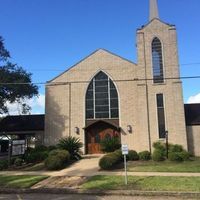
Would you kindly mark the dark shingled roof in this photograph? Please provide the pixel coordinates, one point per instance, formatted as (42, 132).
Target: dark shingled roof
(192, 114)
(22, 123)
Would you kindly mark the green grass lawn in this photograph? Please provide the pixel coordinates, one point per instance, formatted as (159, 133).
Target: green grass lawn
(19, 181)
(144, 183)
(165, 166)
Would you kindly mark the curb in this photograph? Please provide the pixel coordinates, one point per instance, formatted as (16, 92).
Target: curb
(100, 192)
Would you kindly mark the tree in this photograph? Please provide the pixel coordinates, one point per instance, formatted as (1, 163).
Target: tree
(11, 77)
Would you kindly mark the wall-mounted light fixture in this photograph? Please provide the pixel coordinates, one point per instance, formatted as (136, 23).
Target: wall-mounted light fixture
(129, 128)
(76, 130)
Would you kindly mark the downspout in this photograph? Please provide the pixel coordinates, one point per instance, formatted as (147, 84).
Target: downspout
(70, 109)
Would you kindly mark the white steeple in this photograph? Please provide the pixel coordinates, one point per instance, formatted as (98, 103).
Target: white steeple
(153, 10)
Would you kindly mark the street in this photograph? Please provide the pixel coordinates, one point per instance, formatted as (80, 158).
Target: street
(79, 197)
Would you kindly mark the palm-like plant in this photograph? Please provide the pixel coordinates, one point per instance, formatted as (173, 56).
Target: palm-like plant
(72, 145)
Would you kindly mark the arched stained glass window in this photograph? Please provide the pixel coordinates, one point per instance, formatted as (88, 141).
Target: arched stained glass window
(101, 98)
(157, 61)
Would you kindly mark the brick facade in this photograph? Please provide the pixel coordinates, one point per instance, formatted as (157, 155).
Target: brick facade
(65, 95)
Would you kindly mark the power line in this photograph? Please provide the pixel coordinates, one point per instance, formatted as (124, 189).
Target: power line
(62, 70)
(119, 80)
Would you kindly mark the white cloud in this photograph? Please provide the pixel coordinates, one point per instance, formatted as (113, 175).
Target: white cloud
(37, 105)
(194, 99)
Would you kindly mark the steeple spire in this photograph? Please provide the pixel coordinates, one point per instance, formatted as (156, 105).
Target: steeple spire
(153, 10)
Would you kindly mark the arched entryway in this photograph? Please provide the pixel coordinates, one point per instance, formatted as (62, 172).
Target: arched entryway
(102, 112)
(98, 131)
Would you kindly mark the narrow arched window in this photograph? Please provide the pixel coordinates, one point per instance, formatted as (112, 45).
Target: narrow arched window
(157, 61)
(101, 98)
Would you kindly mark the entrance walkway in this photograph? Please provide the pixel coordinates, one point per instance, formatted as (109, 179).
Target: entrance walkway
(88, 166)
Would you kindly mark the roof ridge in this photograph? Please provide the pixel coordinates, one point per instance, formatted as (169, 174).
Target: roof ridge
(99, 49)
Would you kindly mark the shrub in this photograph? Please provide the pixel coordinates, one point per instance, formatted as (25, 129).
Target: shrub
(60, 153)
(18, 162)
(35, 155)
(179, 156)
(185, 155)
(52, 147)
(12, 160)
(57, 159)
(175, 156)
(144, 155)
(110, 144)
(3, 164)
(177, 153)
(110, 160)
(72, 145)
(42, 155)
(54, 163)
(119, 155)
(175, 148)
(133, 155)
(31, 157)
(160, 146)
(40, 148)
(158, 155)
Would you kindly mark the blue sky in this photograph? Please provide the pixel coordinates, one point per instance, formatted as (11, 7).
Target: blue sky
(48, 36)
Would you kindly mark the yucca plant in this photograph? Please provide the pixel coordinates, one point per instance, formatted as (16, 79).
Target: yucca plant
(72, 145)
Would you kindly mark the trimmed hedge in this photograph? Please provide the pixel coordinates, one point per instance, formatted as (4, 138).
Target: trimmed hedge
(158, 155)
(110, 160)
(57, 159)
(119, 155)
(60, 153)
(145, 155)
(132, 155)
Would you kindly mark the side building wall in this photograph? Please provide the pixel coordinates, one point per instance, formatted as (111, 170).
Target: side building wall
(193, 135)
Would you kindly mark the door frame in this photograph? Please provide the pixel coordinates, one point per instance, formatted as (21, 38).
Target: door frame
(95, 123)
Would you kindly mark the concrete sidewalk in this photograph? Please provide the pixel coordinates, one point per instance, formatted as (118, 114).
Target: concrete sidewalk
(88, 167)
(81, 173)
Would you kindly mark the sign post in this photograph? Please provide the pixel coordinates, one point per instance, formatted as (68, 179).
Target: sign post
(125, 152)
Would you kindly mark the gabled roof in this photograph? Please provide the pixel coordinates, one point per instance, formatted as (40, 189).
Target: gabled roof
(93, 53)
(144, 26)
(192, 114)
(22, 123)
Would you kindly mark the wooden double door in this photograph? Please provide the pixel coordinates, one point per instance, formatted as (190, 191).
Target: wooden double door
(96, 134)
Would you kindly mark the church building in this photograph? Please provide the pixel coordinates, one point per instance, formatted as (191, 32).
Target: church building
(105, 95)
